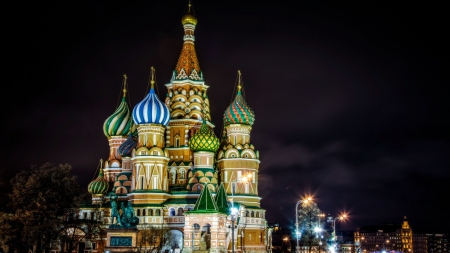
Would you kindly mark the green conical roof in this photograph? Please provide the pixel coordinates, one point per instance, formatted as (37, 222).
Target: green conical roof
(205, 203)
(204, 140)
(222, 200)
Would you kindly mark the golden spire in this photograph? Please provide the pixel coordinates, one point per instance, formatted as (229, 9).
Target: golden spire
(124, 85)
(239, 81)
(189, 18)
(152, 82)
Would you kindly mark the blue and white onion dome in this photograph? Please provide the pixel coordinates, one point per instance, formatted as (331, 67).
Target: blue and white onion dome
(151, 110)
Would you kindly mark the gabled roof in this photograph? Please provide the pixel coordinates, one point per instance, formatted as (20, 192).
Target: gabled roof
(221, 200)
(205, 203)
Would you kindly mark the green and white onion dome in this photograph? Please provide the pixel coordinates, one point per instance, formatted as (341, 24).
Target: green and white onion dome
(99, 185)
(239, 112)
(119, 124)
(204, 140)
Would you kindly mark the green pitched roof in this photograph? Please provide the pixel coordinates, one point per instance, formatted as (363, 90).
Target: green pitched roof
(221, 200)
(205, 203)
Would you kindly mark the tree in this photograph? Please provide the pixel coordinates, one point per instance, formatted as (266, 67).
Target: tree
(152, 238)
(75, 230)
(312, 233)
(40, 198)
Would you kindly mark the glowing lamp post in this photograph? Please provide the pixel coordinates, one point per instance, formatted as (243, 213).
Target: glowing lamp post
(342, 217)
(286, 239)
(297, 233)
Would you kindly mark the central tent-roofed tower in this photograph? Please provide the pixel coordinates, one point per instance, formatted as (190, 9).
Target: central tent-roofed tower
(188, 103)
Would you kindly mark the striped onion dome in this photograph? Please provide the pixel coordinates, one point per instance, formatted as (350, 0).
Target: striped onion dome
(204, 140)
(119, 123)
(127, 147)
(239, 112)
(151, 110)
(98, 185)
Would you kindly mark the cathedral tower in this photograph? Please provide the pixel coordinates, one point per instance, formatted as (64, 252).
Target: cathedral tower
(238, 161)
(116, 128)
(149, 182)
(204, 144)
(188, 104)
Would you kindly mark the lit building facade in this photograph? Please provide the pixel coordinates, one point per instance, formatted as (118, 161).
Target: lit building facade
(389, 237)
(163, 153)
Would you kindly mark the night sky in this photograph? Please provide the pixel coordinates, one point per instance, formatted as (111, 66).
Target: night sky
(349, 99)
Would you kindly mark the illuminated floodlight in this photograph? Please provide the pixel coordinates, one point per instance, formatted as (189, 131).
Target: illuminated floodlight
(234, 211)
(332, 250)
(317, 229)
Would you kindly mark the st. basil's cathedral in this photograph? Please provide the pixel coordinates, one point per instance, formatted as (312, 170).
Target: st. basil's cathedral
(167, 162)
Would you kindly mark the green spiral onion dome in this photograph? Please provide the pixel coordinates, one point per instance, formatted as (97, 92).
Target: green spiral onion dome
(204, 140)
(99, 185)
(120, 122)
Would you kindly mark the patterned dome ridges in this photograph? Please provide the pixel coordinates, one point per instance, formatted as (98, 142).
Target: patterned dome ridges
(99, 185)
(120, 122)
(204, 140)
(151, 110)
(239, 112)
(127, 147)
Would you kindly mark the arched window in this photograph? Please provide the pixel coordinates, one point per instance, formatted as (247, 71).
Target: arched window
(172, 211)
(143, 212)
(139, 212)
(246, 213)
(180, 211)
(150, 212)
(257, 214)
(158, 212)
(252, 214)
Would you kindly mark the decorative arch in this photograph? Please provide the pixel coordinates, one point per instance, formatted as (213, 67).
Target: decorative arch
(196, 99)
(122, 178)
(177, 112)
(178, 105)
(197, 188)
(248, 153)
(194, 114)
(232, 153)
(121, 190)
(179, 97)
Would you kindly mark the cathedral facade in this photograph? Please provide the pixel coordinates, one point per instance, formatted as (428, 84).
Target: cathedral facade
(167, 162)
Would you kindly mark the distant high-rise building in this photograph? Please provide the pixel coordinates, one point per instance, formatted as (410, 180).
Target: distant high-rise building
(438, 243)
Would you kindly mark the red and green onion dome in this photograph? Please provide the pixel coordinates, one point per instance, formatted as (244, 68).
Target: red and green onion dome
(239, 112)
(99, 186)
(204, 140)
(119, 124)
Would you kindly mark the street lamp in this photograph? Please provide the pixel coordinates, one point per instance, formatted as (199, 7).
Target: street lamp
(297, 233)
(342, 217)
(384, 246)
(286, 239)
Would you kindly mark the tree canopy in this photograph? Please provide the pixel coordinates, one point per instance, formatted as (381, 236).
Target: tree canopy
(40, 198)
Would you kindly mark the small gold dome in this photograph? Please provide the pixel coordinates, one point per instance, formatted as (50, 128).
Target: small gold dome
(189, 19)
